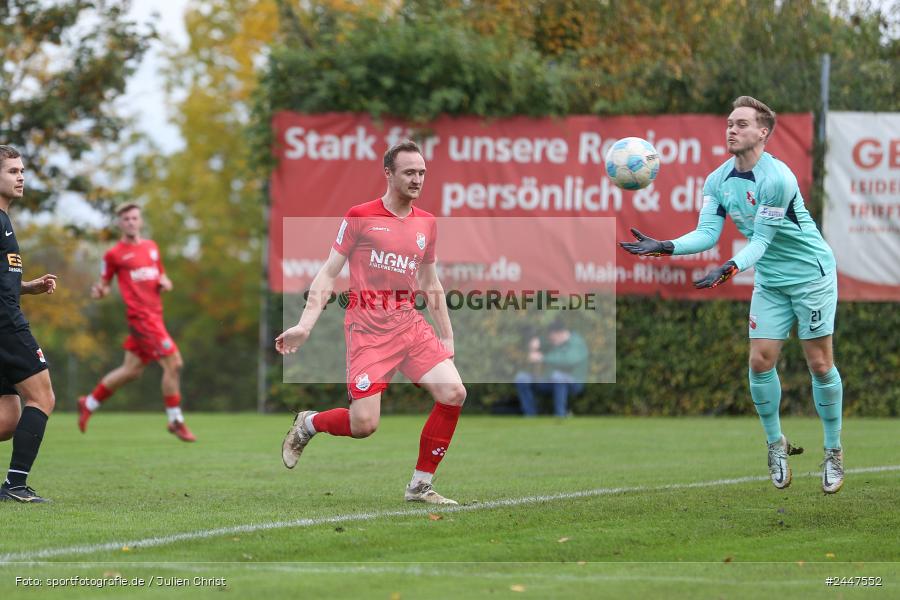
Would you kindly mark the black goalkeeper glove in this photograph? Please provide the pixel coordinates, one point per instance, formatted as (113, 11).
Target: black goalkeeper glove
(647, 246)
(717, 276)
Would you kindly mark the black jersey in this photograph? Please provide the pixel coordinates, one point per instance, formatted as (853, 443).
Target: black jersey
(11, 317)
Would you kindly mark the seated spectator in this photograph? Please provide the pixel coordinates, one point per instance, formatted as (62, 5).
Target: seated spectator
(560, 368)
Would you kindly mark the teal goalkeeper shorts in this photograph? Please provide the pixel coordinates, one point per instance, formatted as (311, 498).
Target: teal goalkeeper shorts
(773, 310)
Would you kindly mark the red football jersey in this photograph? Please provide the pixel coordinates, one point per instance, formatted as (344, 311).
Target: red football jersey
(138, 267)
(384, 253)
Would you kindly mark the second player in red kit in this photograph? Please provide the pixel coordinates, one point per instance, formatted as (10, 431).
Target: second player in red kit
(390, 247)
(136, 263)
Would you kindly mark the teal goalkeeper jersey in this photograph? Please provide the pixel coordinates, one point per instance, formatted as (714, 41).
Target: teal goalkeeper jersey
(766, 205)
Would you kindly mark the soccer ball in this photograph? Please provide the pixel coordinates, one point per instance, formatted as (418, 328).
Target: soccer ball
(632, 163)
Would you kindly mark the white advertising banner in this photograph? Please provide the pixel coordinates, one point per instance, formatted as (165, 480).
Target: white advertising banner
(862, 203)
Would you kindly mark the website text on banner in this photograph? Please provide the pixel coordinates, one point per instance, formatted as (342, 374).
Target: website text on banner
(521, 167)
(862, 203)
(501, 285)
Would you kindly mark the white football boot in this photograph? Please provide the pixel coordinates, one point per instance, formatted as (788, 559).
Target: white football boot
(295, 441)
(833, 470)
(779, 469)
(423, 492)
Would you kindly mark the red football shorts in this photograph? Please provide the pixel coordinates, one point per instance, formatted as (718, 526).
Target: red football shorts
(373, 358)
(149, 340)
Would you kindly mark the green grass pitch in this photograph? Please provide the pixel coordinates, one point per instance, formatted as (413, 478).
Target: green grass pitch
(577, 508)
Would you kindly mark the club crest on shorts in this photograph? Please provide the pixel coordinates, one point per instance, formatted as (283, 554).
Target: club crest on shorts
(752, 321)
(363, 383)
(40, 355)
(420, 240)
(167, 344)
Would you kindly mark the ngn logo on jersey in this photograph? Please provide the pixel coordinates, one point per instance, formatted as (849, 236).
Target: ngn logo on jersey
(144, 274)
(391, 261)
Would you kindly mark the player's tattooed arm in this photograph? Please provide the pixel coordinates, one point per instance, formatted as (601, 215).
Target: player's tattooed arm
(45, 284)
(429, 283)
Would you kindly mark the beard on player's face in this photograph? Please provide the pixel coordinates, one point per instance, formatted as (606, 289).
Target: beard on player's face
(404, 188)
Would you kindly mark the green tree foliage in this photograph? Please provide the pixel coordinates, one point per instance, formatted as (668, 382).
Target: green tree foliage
(63, 64)
(62, 322)
(203, 203)
(546, 57)
(417, 59)
(418, 67)
(59, 319)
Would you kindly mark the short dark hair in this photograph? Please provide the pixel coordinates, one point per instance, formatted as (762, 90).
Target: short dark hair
(124, 208)
(558, 325)
(8, 152)
(765, 116)
(393, 151)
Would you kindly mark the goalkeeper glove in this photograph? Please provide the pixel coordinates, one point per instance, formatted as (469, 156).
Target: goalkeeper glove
(717, 276)
(647, 246)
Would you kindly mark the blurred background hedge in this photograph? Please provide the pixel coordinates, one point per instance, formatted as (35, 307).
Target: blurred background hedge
(687, 358)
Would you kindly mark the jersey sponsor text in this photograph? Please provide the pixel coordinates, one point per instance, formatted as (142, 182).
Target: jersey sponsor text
(391, 261)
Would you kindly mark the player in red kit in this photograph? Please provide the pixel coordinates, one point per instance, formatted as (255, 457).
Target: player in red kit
(390, 245)
(137, 264)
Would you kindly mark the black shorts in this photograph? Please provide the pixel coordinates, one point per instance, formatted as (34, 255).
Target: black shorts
(20, 358)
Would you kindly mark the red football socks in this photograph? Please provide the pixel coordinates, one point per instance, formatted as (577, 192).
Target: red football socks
(101, 392)
(436, 436)
(172, 401)
(335, 421)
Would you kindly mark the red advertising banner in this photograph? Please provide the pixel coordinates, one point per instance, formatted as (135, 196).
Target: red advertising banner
(508, 254)
(526, 167)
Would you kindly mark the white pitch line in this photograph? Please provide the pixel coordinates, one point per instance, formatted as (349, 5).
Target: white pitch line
(82, 550)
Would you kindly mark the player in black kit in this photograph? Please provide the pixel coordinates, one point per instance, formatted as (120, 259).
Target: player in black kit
(23, 369)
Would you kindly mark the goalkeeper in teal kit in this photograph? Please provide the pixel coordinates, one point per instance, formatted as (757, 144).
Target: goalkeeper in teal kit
(795, 279)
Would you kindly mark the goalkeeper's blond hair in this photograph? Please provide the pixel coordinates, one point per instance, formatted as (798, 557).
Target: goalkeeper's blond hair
(765, 116)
